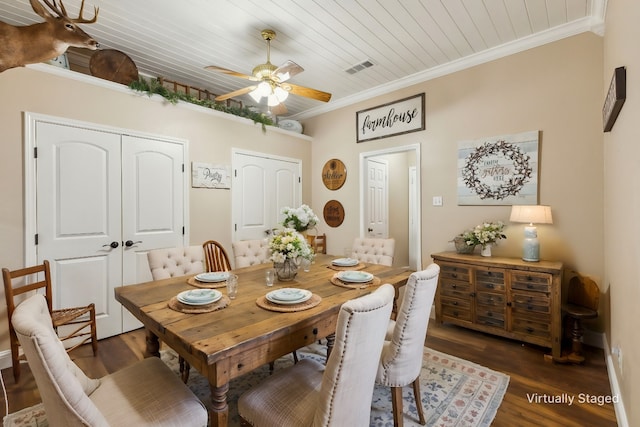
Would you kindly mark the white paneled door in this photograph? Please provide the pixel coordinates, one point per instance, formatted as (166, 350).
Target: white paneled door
(262, 186)
(377, 209)
(103, 199)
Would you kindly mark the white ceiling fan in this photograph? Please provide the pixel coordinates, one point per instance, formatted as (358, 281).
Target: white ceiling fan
(270, 81)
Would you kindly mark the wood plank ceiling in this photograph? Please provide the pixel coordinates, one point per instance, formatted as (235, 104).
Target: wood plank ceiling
(407, 41)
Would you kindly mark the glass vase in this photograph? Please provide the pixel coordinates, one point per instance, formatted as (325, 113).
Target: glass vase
(286, 271)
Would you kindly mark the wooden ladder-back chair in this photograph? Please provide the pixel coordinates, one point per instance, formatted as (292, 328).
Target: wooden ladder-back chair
(81, 320)
(318, 242)
(215, 256)
(582, 303)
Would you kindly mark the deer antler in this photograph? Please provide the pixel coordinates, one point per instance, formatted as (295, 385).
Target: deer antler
(62, 12)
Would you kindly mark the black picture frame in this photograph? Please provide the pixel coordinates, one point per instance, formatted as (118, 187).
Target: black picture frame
(616, 95)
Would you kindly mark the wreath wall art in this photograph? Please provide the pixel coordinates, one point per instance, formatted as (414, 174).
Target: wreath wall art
(501, 170)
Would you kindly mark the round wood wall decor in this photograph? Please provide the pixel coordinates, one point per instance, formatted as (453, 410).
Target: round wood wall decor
(333, 213)
(334, 174)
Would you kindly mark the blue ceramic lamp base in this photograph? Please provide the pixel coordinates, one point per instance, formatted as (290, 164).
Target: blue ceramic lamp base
(531, 245)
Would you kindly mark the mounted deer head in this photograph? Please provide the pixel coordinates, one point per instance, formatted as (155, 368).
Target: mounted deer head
(46, 40)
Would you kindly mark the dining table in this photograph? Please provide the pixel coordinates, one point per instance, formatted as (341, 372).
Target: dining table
(248, 331)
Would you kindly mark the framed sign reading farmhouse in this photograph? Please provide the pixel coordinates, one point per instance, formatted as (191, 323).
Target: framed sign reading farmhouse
(394, 118)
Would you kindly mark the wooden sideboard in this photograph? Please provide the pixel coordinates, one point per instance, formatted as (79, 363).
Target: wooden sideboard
(502, 296)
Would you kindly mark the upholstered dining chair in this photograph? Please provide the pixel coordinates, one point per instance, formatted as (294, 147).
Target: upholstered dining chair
(374, 251)
(250, 252)
(215, 256)
(339, 394)
(170, 262)
(76, 325)
(145, 393)
(402, 352)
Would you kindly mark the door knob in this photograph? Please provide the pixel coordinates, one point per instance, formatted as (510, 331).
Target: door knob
(112, 244)
(130, 243)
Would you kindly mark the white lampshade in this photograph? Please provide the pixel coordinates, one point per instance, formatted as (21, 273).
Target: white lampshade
(531, 214)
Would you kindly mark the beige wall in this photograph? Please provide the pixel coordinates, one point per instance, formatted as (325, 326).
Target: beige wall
(211, 137)
(622, 201)
(556, 89)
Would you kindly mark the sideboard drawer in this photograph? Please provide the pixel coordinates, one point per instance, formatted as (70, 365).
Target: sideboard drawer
(530, 302)
(527, 281)
(455, 288)
(490, 280)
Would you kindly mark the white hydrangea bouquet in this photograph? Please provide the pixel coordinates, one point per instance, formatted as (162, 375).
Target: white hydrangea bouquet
(289, 244)
(300, 219)
(487, 233)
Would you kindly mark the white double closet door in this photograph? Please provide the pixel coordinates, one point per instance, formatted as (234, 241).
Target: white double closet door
(103, 199)
(263, 184)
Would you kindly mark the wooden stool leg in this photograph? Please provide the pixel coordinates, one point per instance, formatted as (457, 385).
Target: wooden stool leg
(418, 399)
(576, 342)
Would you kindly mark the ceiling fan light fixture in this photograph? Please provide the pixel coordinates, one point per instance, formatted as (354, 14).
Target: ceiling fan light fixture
(263, 89)
(281, 94)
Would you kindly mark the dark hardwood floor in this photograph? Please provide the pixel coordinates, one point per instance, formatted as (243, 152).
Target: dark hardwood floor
(531, 376)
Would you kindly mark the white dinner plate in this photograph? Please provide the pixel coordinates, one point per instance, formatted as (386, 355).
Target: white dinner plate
(287, 294)
(199, 296)
(303, 296)
(345, 262)
(212, 277)
(355, 276)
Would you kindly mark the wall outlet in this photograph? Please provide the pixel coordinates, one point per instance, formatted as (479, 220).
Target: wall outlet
(617, 351)
(437, 200)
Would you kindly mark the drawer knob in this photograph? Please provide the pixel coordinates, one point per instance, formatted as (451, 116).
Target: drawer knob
(455, 303)
(454, 275)
(530, 330)
(490, 285)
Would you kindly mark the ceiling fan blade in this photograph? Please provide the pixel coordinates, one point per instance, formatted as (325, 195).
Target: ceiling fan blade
(286, 71)
(230, 72)
(278, 110)
(235, 93)
(307, 92)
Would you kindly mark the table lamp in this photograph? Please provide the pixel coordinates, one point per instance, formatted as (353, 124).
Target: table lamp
(531, 214)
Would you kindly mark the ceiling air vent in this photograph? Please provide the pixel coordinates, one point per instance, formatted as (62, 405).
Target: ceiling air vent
(359, 67)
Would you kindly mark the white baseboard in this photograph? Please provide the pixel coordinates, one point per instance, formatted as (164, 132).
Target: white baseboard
(621, 414)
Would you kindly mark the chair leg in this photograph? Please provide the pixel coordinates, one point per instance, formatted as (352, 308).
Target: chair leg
(295, 357)
(15, 361)
(94, 334)
(396, 403)
(418, 399)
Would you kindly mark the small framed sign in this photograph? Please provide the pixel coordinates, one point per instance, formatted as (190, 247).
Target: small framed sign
(394, 118)
(334, 174)
(207, 175)
(615, 98)
(333, 213)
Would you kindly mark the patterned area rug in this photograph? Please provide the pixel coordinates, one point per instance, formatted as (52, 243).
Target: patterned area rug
(455, 392)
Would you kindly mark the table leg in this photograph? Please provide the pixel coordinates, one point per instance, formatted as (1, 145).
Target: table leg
(331, 339)
(153, 345)
(219, 415)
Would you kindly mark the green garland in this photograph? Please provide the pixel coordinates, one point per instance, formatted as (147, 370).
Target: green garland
(153, 86)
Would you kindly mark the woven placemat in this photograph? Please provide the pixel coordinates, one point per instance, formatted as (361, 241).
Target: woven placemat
(351, 285)
(358, 266)
(263, 302)
(206, 285)
(176, 305)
